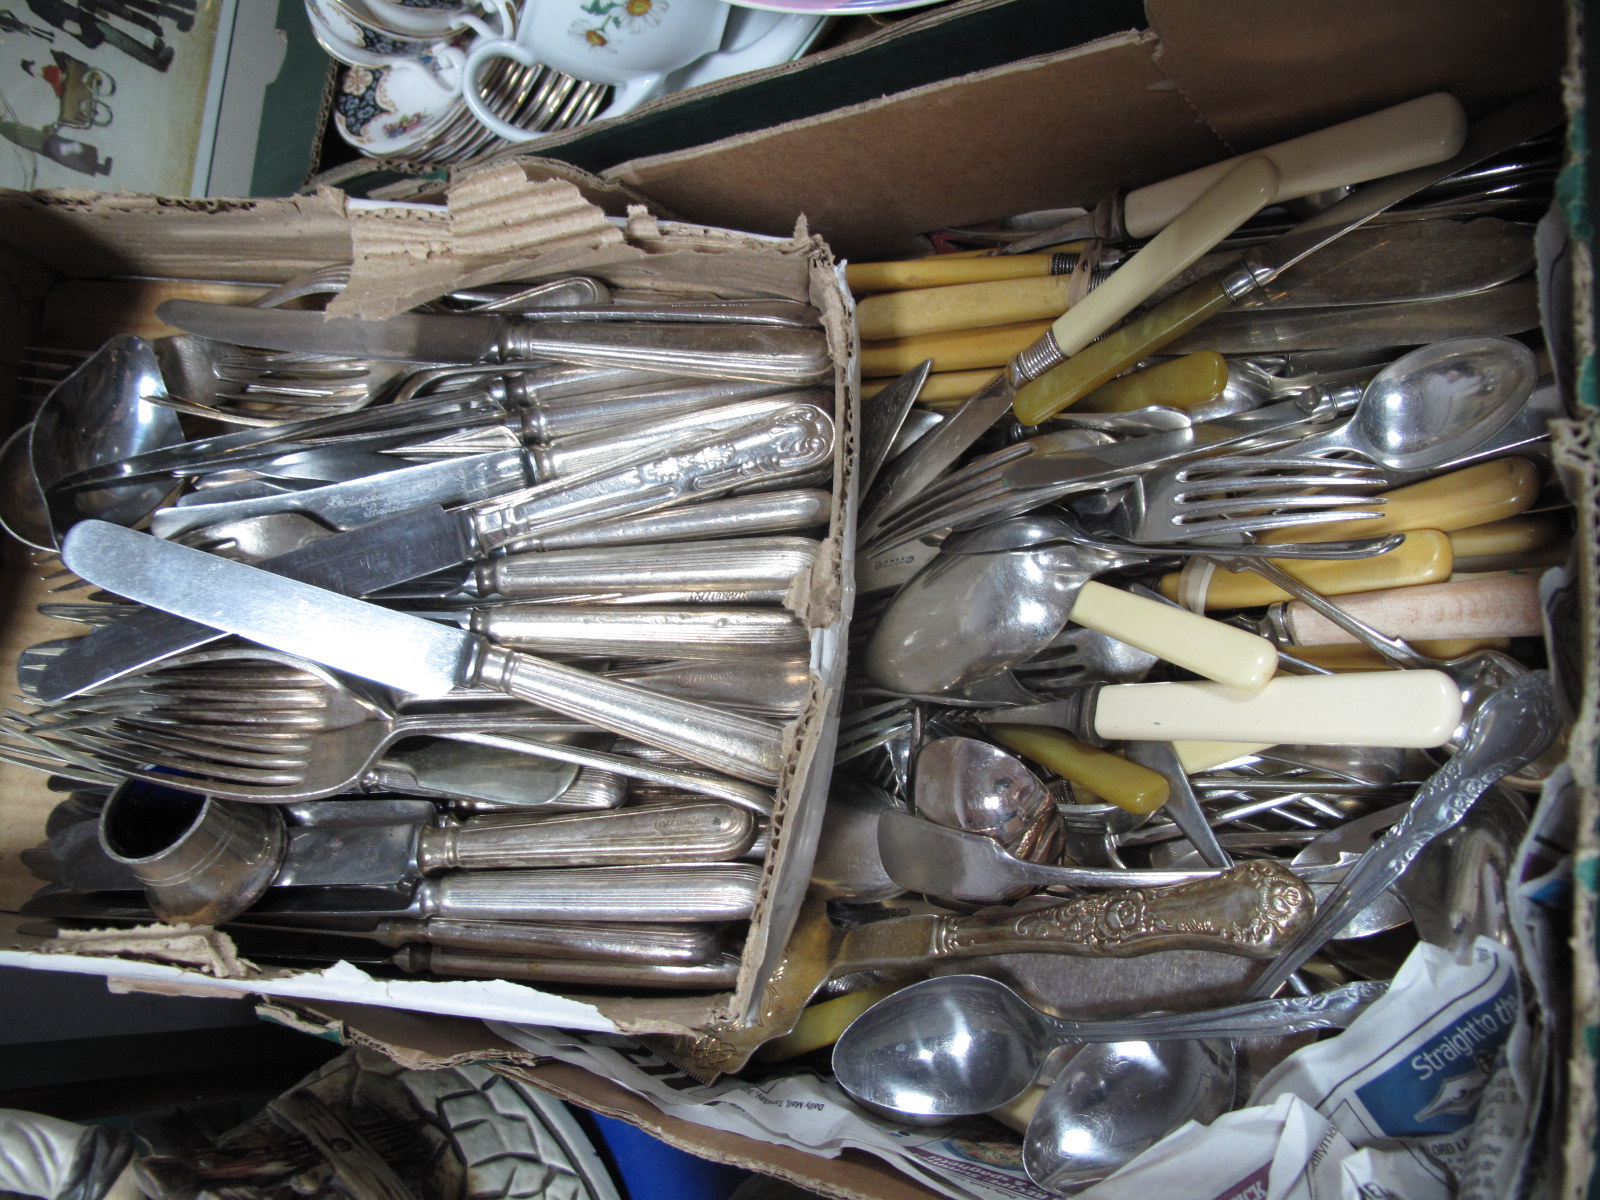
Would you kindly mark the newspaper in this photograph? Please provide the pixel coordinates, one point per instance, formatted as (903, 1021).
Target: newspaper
(1410, 1073)
(801, 1110)
(1283, 1151)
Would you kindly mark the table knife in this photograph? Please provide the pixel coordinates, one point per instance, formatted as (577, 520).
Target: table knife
(408, 652)
(1067, 367)
(1414, 134)
(717, 351)
(432, 539)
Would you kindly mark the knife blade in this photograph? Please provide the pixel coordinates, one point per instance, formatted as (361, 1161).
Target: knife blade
(359, 501)
(1088, 367)
(782, 355)
(404, 651)
(428, 540)
(881, 419)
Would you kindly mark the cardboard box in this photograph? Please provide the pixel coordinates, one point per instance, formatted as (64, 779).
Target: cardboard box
(496, 225)
(1191, 82)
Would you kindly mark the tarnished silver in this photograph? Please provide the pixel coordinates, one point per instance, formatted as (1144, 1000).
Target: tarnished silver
(749, 566)
(783, 355)
(677, 894)
(717, 975)
(924, 857)
(693, 631)
(847, 866)
(202, 860)
(769, 686)
(766, 512)
(882, 418)
(384, 843)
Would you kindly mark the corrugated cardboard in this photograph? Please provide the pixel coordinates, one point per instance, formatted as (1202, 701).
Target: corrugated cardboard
(498, 224)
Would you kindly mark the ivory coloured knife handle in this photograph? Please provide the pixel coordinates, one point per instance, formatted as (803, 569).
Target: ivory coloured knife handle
(942, 389)
(1491, 606)
(1423, 557)
(962, 350)
(1207, 756)
(1408, 709)
(1252, 910)
(741, 746)
(1417, 133)
(944, 270)
(718, 975)
(1477, 495)
(1229, 202)
(695, 831)
(962, 306)
(1182, 383)
(1083, 372)
(1221, 652)
(1109, 776)
(671, 895)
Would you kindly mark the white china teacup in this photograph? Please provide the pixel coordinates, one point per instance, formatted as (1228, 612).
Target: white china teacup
(445, 20)
(434, 64)
(632, 44)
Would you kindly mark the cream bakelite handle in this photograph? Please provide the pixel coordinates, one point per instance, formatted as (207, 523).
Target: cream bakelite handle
(1195, 757)
(1409, 709)
(1426, 130)
(1228, 203)
(1195, 643)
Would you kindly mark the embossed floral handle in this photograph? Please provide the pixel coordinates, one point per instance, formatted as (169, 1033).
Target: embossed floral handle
(1253, 910)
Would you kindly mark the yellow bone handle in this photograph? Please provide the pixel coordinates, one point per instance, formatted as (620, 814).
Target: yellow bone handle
(962, 350)
(1514, 535)
(1226, 205)
(1423, 557)
(1476, 495)
(943, 270)
(1113, 354)
(962, 306)
(1232, 656)
(1110, 776)
(1408, 709)
(823, 1024)
(1182, 383)
(943, 389)
(1489, 606)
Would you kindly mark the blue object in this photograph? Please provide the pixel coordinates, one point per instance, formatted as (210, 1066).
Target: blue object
(653, 1170)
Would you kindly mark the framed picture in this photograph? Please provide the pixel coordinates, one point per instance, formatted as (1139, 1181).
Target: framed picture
(162, 96)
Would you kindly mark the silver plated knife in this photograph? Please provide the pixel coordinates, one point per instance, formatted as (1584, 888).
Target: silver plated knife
(717, 351)
(404, 651)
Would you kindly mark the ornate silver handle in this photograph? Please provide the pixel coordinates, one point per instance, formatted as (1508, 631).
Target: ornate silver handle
(714, 351)
(694, 831)
(683, 894)
(593, 453)
(744, 747)
(743, 565)
(637, 632)
(797, 438)
(546, 420)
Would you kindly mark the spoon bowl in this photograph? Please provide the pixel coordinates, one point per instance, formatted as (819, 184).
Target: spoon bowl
(1436, 403)
(964, 783)
(1115, 1100)
(955, 1046)
(102, 412)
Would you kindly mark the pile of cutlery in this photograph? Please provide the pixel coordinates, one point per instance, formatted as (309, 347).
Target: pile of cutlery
(546, 746)
(1095, 669)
